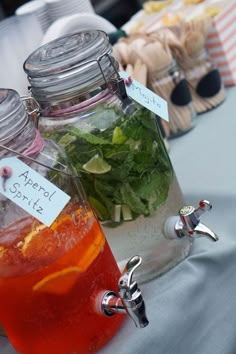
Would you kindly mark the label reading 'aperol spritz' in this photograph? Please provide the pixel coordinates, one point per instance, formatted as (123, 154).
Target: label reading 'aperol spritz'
(32, 192)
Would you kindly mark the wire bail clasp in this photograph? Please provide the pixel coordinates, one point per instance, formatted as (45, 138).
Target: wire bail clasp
(32, 108)
(117, 85)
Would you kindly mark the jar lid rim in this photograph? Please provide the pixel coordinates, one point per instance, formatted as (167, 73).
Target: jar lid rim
(13, 115)
(67, 52)
(10, 103)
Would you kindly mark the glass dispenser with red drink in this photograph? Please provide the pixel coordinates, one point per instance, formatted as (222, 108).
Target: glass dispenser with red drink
(61, 290)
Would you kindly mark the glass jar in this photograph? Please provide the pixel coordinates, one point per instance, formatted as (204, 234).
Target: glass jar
(204, 81)
(115, 145)
(50, 276)
(169, 83)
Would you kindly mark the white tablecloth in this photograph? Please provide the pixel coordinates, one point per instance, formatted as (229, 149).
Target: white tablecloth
(192, 308)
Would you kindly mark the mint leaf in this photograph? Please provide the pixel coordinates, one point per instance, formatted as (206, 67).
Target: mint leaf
(153, 188)
(99, 208)
(88, 137)
(131, 199)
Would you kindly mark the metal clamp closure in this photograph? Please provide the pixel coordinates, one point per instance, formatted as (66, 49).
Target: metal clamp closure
(31, 105)
(32, 108)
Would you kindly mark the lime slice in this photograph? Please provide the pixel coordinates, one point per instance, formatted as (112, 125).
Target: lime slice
(118, 136)
(126, 212)
(67, 139)
(97, 165)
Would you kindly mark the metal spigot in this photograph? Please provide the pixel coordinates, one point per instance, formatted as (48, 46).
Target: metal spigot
(188, 223)
(130, 299)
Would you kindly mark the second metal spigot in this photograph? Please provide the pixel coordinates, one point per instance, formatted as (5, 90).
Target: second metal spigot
(130, 299)
(188, 223)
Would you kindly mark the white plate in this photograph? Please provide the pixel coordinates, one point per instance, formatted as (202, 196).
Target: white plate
(32, 6)
(79, 6)
(76, 23)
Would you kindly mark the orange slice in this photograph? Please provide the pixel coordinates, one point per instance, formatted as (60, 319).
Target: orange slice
(58, 283)
(91, 253)
(62, 220)
(30, 236)
(3, 252)
(42, 242)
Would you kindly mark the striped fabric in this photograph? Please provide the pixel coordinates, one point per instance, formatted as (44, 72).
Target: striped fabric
(221, 43)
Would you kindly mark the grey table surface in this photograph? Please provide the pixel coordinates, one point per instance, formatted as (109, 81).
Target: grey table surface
(192, 308)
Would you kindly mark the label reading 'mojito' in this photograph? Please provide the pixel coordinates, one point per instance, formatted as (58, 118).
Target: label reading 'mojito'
(146, 97)
(32, 192)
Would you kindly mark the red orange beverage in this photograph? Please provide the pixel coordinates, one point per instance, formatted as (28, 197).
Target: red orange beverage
(50, 278)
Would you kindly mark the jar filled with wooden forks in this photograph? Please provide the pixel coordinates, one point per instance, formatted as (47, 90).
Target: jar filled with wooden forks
(170, 83)
(204, 82)
(188, 46)
(162, 75)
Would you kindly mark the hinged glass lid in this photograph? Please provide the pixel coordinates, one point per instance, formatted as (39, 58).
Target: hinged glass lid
(77, 60)
(13, 116)
(9, 102)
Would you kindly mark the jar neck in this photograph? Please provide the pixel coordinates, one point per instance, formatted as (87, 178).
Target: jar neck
(21, 140)
(198, 67)
(170, 73)
(200, 58)
(69, 111)
(77, 104)
(164, 71)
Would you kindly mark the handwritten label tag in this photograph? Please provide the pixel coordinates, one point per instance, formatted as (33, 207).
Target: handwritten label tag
(32, 192)
(146, 97)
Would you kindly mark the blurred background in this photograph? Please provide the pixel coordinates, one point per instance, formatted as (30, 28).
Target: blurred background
(117, 12)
